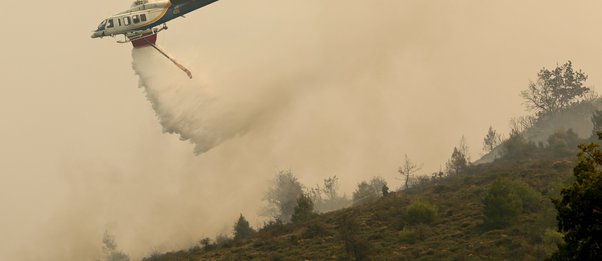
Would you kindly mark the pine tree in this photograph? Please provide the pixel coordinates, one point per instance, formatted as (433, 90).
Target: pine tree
(491, 140)
(304, 209)
(242, 229)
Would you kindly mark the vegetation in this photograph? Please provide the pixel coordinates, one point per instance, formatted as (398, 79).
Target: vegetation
(282, 196)
(304, 209)
(459, 160)
(242, 229)
(555, 89)
(516, 147)
(327, 198)
(440, 220)
(407, 171)
(491, 140)
(597, 122)
(580, 209)
(367, 192)
(492, 211)
(110, 250)
(420, 213)
(356, 247)
(506, 199)
(563, 142)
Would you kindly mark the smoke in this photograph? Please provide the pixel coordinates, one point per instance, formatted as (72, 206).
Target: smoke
(203, 112)
(188, 108)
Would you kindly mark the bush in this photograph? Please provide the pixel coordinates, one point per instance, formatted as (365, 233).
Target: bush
(516, 147)
(530, 197)
(563, 143)
(502, 204)
(407, 235)
(550, 241)
(369, 192)
(273, 227)
(421, 213)
(355, 246)
(316, 229)
(413, 234)
(222, 240)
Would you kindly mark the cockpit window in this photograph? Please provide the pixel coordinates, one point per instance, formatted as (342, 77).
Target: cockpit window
(135, 19)
(143, 17)
(101, 26)
(110, 23)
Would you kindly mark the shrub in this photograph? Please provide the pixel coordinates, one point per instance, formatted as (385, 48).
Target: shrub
(420, 213)
(206, 244)
(563, 143)
(412, 235)
(516, 147)
(550, 240)
(369, 192)
(316, 229)
(407, 235)
(222, 240)
(502, 204)
(530, 197)
(355, 246)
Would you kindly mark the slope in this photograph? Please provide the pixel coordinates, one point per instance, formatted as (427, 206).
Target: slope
(381, 231)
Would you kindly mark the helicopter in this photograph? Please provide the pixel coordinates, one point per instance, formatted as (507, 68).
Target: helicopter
(141, 23)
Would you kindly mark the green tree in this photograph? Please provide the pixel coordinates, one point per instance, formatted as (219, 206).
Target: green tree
(580, 208)
(555, 89)
(460, 160)
(304, 209)
(457, 163)
(282, 196)
(242, 229)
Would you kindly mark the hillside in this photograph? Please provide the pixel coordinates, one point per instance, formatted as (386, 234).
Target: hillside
(496, 209)
(382, 231)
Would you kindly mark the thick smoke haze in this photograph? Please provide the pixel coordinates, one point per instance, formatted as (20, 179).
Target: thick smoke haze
(322, 88)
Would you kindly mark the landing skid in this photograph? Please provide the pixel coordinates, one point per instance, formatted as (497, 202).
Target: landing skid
(171, 59)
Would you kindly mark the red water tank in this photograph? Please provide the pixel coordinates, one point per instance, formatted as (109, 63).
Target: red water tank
(145, 40)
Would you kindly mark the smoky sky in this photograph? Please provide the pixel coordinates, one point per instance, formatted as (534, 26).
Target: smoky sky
(322, 88)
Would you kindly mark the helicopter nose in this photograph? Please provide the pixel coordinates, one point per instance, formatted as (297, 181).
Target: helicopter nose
(97, 34)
